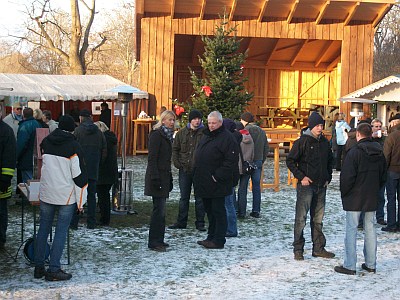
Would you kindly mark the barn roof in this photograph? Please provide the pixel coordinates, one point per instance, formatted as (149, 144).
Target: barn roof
(321, 11)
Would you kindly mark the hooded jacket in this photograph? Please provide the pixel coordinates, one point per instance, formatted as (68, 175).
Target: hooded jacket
(363, 175)
(94, 146)
(247, 148)
(63, 178)
(312, 157)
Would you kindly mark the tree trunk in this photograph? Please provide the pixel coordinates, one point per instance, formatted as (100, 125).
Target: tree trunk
(76, 65)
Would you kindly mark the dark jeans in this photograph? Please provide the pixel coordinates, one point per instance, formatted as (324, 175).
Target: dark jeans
(157, 223)
(256, 190)
(103, 195)
(217, 223)
(91, 206)
(3, 219)
(393, 195)
(309, 198)
(185, 186)
(339, 154)
(380, 213)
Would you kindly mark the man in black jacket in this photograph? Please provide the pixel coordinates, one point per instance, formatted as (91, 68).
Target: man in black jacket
(216, 158)
(310, 161)
(363, 175)
(7, 167)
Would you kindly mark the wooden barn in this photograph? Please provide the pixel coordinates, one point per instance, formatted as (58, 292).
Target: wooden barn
(302, 54)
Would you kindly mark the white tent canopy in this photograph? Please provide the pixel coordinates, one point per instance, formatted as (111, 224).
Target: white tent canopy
(40, 87)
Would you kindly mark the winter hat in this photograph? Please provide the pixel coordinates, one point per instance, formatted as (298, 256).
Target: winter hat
(239, 125)
(85, 113)
(247, 116)
(229, 125)
(194, 113)
(66, 123)
(314, 120)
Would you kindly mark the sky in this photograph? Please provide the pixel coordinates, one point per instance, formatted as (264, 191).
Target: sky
(12, 13)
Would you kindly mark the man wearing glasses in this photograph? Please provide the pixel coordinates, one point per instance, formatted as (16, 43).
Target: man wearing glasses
(14, 117)
(378, 137)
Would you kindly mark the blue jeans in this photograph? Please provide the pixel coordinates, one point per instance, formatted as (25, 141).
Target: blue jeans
(350, 241)
(231, 229)
(157, 223)
(3, 219)
(47, 212)
(256, 190)
(393, 195)
(185, 186)
(380, 213)
(26, 175)
(309, 198)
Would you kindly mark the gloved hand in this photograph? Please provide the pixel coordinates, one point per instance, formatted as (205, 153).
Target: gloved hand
(156, 183)
(4, 186)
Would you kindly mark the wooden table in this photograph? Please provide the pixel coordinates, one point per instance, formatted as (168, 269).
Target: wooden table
(274, 144)
(141, 129)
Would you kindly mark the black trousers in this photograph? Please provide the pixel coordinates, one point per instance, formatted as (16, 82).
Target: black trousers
(157, 223)
(104, 202)
(217, 222)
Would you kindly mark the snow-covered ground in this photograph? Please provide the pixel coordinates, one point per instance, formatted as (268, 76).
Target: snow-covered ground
(111, 263)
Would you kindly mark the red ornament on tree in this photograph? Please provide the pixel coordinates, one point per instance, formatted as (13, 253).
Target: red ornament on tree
(207, 90)
(178, 110)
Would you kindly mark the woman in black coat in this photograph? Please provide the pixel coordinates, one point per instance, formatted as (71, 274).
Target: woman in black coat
(108, 174)
(158, 178)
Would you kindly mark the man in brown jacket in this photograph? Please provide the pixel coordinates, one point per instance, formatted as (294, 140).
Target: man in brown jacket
(391, 150)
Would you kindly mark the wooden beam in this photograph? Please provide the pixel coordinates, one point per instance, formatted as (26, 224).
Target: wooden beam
(272, 52)
(233, 8)
(333, 64)
(381, 14)
(322, 12)
(172, 8)
(324, 50)
(296, 56)
(351, 14)
(203, 8)
(292, 11)
(262, 11)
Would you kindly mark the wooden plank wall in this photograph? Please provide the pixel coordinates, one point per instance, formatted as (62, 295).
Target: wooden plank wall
(157, 59)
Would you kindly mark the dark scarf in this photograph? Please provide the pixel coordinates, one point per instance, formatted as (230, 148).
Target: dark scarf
(168, 132)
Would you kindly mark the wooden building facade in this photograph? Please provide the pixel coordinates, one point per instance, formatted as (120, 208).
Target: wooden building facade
(300, 52)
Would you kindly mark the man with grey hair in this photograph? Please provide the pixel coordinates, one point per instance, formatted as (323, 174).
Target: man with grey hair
(215, 160)
(47, 118)
(7, 167)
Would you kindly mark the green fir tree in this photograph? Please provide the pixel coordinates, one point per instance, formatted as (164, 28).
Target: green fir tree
(222, 66)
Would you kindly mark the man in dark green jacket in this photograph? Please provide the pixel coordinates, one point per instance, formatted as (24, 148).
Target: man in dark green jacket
(183, 149)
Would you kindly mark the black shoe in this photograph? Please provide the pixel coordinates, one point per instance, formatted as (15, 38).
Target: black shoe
(255, 214)
(364, 266)
(160, 248)
(201, 228)
(241, 217)
(381, 222)
(389, 229)
(343, 270)
(91, 226)
(176, 226)
(202, 242)
(298, 255)
(2, 246)
(324, 254)
(165, 244)
(57, 276)
(211, 245)
(39, 272)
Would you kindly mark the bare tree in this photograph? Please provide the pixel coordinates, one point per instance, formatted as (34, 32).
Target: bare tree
(63, 34)
(387, 45)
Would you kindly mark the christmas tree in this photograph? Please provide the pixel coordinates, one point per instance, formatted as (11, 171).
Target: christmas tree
(222, 87)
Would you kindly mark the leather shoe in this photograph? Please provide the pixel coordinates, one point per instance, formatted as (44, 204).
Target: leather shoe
(160, 248)
(212, 245)
(324, 254)
(255, 214)
(39, 272)
(201, 228)
(201, 242)
(298, 255)
(343, 270)
(364, 267)
(176, 226)
(381, 222)
(389, 229)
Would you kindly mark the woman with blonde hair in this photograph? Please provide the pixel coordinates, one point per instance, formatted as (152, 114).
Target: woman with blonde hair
(342, 128)
(158, 178)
